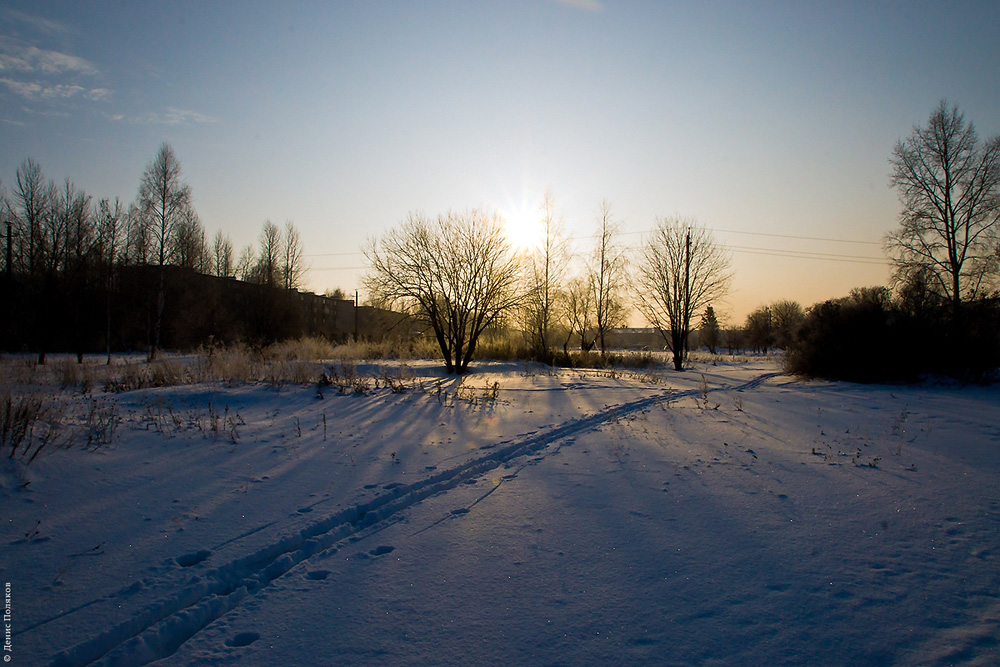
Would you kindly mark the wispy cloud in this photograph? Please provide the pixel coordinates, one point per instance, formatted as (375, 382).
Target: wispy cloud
(38, 23)
(35, 90)
(171, 116)
(15, 57)
(46, 77)
(98, 94)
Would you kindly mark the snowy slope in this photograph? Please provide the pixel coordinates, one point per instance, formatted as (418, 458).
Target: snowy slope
(725, 514)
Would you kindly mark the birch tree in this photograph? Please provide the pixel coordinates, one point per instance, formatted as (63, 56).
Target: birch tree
(164, 199)
(545, 271)
(949, 185)
(607, 276)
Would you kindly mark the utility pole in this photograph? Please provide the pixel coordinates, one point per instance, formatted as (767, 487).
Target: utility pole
(355, 315)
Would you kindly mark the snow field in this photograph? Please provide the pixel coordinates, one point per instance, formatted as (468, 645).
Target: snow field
(578, 518)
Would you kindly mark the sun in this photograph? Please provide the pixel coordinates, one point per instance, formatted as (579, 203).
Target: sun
(523, 226)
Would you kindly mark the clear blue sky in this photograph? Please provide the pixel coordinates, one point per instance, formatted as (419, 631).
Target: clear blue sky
(768, 118)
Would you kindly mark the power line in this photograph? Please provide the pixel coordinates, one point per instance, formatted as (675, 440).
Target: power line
(649, 231)
(768, 252)
(792, 236)
(775, 252)
(333, 254)
(737, 231)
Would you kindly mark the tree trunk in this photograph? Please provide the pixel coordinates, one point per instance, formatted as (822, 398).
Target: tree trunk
(160, 297)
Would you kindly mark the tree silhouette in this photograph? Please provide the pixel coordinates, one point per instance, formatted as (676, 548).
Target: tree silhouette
(949, 185)
(454, 271)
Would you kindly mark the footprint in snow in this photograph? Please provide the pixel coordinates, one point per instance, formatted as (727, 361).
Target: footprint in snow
(243, 639)
(193, 558)
(317, 575)
(304, 510)
(460, 510)
(382, 550)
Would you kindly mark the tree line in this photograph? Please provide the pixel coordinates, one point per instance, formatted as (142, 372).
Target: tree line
(458, 273)
(66, 255)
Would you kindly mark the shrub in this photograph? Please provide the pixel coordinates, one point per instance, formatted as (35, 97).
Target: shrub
(868, 338)
(26, 424)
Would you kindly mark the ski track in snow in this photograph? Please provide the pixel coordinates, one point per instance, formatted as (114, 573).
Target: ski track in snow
(159, 629)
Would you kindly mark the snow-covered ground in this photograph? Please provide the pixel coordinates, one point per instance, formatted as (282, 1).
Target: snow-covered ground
(728, 514)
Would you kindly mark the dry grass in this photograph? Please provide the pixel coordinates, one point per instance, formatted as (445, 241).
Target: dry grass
(28, 423)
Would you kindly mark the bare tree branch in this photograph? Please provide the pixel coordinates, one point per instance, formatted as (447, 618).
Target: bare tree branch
(455, 271)
(949, 186)
(681, 270)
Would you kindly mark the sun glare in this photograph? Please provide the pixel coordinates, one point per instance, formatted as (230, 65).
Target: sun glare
(523, 226)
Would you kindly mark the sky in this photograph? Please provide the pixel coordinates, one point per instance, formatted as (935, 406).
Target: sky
(769, 123)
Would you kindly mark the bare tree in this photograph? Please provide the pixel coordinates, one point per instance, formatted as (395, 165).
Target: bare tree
(245, 266)
(455, 271)
(759, 329)
(30, 200)
(164, 199)
(786, 317)
(545, 270)
(111, 226)
(189, 249)
(137, 237)
(292, 268)
(681, 270)
(112, 217)
(78, 226)
(606, 275)
(7, 219)
(222, 255)
(579, 312)
(949, 186)
(269, 255)
(79, 261)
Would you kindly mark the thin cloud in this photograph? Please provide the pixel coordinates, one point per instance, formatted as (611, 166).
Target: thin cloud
(38, 23)
(98, 94)
(17, 58)
(34, 90)
(27, 89)
(172, 116)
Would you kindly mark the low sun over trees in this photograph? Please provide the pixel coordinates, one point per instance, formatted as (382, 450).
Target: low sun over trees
(83, 273)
